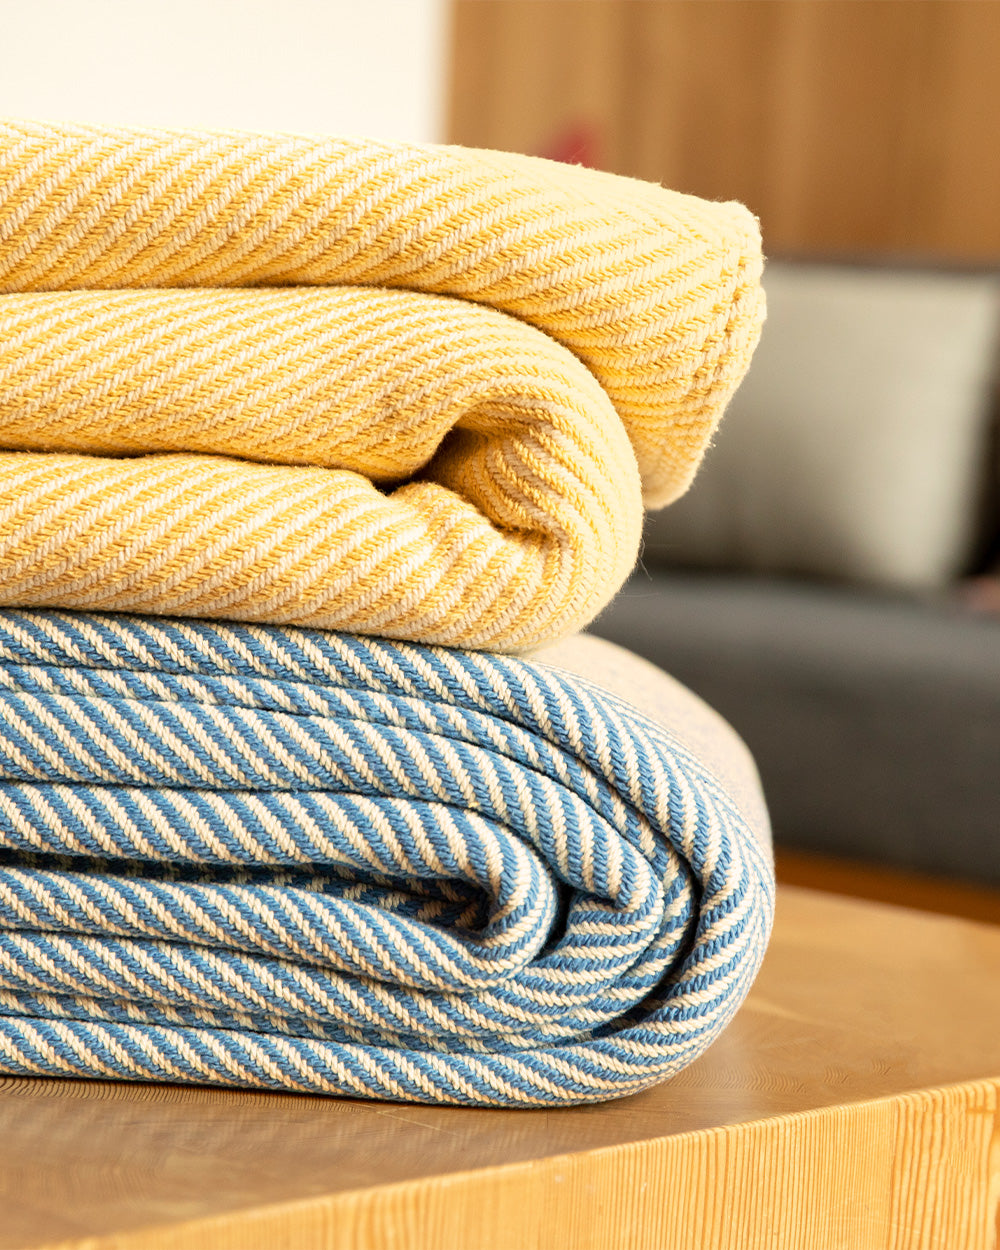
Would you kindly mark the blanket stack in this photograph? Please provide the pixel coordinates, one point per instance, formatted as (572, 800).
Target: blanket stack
(307, 446)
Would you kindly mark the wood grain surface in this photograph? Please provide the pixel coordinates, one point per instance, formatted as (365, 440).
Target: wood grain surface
(853, 1102)
(849, 128)
(883, 884)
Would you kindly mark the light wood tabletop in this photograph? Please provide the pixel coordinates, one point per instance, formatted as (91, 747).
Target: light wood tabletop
(852, 1103)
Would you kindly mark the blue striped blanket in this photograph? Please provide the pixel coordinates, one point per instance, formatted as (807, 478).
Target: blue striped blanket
(298, 860)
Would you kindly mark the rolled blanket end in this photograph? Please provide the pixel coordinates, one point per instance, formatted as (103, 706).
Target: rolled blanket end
(296, 860)
(282, 348)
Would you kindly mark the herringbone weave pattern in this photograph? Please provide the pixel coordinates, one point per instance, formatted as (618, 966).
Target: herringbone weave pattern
(408, 391)
(268, 857)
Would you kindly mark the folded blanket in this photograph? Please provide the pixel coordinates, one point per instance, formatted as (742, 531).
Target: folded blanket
(249, 856)
(418, 392)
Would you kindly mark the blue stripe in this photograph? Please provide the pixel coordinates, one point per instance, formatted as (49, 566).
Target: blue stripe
(302, 860)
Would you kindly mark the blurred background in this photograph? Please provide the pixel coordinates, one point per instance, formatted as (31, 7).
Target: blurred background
(831, 583)
(354, 67)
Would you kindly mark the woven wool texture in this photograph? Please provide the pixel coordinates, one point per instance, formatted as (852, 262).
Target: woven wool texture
(419, 392)
(250, 856)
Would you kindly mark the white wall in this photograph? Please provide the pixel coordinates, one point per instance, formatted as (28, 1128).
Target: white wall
(356, 67)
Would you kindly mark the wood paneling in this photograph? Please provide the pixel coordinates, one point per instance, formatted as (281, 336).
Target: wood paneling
(849, 126)
(852, 1103)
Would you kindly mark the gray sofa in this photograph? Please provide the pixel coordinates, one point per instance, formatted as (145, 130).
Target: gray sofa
(808, 587)
(875, 720)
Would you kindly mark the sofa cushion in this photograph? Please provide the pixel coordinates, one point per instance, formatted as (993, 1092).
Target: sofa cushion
(858, 445)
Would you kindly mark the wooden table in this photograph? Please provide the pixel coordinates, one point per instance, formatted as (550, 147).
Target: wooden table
(852, 1103)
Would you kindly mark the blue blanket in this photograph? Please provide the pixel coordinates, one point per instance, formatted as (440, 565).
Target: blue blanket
(298, 860)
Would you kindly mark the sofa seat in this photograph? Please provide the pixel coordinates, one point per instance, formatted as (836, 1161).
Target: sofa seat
(874, 718)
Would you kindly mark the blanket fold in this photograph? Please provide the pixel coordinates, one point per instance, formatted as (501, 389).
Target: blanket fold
(251, 856)
(408, 391)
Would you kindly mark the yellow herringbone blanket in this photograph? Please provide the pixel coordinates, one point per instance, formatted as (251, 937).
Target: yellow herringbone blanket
(418, 392)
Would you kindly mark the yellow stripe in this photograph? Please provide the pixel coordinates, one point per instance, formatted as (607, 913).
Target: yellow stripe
(475, 366)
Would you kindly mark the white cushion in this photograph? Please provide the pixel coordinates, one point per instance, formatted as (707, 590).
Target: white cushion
(857, 446)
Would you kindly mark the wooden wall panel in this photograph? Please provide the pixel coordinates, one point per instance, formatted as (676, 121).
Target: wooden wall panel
(849, 126)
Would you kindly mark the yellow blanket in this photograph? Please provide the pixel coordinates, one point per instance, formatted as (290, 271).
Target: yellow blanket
(420, 392)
